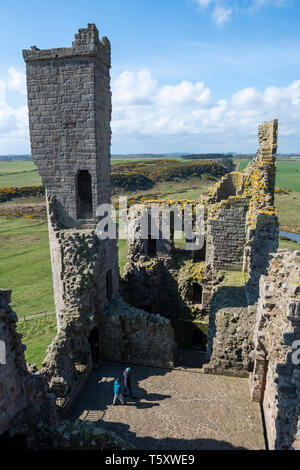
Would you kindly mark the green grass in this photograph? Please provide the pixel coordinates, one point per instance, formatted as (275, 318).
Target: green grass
(243, 163)
(25, 264)
(17, 174)
(233, 278)
(289, 244)
(123, 250)
(288, 175)
(37, 335)
(288, 206)
(17, 166)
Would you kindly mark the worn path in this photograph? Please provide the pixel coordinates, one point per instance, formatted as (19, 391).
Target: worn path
(174, 409)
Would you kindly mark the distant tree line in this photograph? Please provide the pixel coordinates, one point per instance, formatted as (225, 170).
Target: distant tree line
(207, 156)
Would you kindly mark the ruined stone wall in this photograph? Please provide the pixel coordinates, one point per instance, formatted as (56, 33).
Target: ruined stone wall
(85, 261)
(20, 390)
(133, 336)
(276, 376)
(12, 397)
(165, 286)
(227, 186)
(230, 330)
(80, 435)
(69, 102)
(262, 223)
(226, 233)
(242, 225)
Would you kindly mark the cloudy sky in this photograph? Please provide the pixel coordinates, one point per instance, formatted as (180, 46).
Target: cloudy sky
(187, 75)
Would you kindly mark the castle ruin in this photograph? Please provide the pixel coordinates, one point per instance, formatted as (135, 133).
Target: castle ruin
(161, 291)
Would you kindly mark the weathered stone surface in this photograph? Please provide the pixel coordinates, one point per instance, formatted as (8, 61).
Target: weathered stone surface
(276, 374)
(132, 335)
(21, 391)
(68, 436)
(69, 102)
(230, 331)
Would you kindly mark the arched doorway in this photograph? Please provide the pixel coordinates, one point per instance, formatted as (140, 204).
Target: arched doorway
(84, 195)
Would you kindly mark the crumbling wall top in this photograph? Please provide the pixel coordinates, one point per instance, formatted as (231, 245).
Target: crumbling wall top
(86, 43)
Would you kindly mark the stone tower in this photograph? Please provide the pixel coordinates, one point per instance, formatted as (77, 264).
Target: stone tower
(69, 103)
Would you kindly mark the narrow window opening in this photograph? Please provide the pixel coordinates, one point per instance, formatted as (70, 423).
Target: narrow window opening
(199, 255)
(84, 195)
(151, 246)
(197, 294)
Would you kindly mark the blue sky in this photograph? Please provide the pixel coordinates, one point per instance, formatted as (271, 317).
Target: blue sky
(187, 75)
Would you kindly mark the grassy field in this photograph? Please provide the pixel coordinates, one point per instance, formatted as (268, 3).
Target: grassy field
(25, 264)
(287, 174)
(288, 206)
(18, 174)
(37, 335)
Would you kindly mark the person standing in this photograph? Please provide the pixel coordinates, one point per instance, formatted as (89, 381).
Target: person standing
(127, 382)
(117, 393)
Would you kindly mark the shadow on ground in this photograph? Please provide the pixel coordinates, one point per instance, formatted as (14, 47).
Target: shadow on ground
(150, 443)
(177, 409)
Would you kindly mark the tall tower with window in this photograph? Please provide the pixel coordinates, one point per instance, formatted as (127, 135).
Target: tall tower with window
(69, 102)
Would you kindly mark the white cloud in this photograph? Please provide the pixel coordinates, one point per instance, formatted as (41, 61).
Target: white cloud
(14, 135)
(258, 4)
(2, 92)
(186, 93)
(222, 10)
(134, 88)
(16, 81)
(221, 15)
(185, 116)
(203, 3)
(188, 113)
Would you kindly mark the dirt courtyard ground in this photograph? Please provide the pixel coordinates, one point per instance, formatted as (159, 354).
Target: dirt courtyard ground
(174, 409)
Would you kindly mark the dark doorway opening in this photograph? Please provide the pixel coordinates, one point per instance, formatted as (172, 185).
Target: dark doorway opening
(84, 195)
(190, 335)
(109, 284)
(93, 339)
(199, 255)
(147, 308)
(151, 246)
(197, 294)
(191, 340)
(199, 340)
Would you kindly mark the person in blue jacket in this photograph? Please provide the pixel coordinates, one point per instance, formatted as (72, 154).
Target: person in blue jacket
(117, 393)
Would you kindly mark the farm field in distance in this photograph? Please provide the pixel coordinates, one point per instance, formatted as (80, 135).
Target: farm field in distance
(25, 260)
